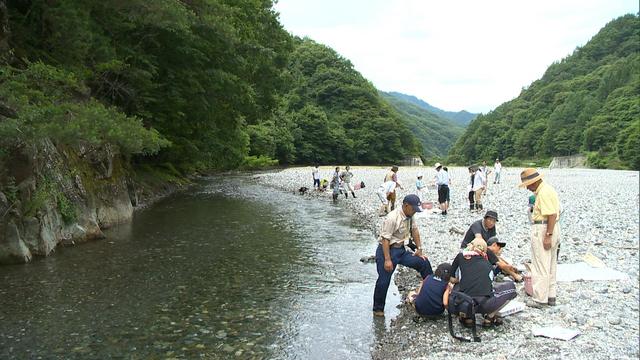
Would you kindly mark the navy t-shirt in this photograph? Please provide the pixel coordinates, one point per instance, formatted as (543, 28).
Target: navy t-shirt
(477, 228)
(429, 300)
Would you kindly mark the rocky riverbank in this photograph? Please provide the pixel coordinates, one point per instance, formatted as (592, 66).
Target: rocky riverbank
(600, 217)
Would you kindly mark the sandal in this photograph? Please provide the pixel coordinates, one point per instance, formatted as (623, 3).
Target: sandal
(468, 323)
(494, 321)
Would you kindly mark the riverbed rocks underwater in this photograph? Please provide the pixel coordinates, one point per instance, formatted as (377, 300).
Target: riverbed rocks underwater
(600, 217)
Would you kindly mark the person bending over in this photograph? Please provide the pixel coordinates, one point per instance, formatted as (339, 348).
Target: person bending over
(396, 229)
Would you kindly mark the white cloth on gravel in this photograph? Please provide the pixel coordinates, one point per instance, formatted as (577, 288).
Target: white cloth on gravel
(583, 271)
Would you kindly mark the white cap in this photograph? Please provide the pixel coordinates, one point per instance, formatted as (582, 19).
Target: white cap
(437, 165)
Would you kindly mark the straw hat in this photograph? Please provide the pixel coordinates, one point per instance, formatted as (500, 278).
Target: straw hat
(437, 165)
(528, 176)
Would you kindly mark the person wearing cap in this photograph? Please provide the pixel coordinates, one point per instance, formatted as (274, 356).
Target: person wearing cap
(494, 253)
(432, 296)
(476, 280)
(392, 175)
(497, 169)
(481, 229)
(442, 182)
(384, 192)
(545, 235)
(419, 186)
(397, 228)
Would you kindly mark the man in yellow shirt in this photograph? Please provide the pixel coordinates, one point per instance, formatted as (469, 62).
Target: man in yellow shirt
(545, 235)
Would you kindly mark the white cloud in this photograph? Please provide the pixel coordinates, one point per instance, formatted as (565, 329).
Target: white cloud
(456, 55)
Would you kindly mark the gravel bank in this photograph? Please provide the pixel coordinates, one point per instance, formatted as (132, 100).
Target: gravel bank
(601, 216)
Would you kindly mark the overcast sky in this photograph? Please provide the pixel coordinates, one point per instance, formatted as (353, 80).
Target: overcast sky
(459, 54)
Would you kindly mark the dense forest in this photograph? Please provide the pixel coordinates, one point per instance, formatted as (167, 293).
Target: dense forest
(586, 103)
(435, 133)
(197, 85)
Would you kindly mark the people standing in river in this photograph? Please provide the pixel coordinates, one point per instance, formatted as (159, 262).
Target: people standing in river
(392, 175)
(545, 236)
(346, 177)
(315, 172)
(396, 230)
(442, 183)
(497, 170)
(335, 184)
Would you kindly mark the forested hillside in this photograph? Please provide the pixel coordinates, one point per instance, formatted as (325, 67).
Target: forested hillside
(435, 133)
(198, 85)
(588, 102)
(461, 118)
(331, 114)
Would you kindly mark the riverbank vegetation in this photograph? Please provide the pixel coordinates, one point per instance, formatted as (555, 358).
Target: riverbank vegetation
(586, 103)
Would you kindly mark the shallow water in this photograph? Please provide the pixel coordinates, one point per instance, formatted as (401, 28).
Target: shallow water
(229, 268)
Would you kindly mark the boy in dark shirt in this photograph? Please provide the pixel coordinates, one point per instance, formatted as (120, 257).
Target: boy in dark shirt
(481, 229)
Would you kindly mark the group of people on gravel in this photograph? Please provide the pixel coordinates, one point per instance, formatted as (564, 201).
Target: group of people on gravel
(478, 269)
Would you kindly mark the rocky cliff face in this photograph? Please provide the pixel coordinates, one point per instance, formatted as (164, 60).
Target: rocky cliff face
(55, 195)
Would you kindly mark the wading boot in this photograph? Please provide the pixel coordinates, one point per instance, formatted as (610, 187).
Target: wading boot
(354, 194)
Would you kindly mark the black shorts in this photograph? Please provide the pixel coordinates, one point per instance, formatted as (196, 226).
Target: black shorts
(443, 193)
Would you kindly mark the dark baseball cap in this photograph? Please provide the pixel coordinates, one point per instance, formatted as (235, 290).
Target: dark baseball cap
(491, 214)
(414, 201)
(494, 240)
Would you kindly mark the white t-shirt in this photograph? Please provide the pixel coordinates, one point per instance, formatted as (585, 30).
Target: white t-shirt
(479, 180)
(497, 167)
(387, 187)
(442, 177)
(316, 173)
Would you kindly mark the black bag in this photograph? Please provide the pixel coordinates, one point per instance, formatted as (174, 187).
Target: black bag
(412, 244)
(361, 184)
(465, 306)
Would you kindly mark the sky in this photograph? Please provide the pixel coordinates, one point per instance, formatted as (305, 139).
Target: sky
(456, 55)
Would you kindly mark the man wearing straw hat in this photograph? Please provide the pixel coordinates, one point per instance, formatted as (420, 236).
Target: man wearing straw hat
(544, 238)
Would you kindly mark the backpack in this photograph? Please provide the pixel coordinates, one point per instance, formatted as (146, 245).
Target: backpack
(361, 184)
(463, 305)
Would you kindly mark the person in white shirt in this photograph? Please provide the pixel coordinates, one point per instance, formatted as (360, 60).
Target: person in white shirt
(442, 182)
(384, 193)
(479, 185)
(497, 168)
(316, 177)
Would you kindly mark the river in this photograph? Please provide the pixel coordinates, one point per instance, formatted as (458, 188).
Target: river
(227, 269)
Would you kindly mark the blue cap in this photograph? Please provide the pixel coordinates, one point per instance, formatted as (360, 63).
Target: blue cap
(414, 201)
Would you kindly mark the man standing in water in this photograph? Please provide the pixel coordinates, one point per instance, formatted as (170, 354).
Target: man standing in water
(397, 228)
(335, 184)
(346, 177)
(316, 177)
(545, 233)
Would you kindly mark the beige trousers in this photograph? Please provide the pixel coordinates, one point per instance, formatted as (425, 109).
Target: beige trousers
(478, 196)
(543, 263)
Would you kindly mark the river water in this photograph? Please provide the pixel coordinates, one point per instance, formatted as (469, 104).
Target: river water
(228, 269)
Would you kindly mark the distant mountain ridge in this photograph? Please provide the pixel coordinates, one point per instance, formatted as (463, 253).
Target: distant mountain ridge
(462, 118)
(435, 133)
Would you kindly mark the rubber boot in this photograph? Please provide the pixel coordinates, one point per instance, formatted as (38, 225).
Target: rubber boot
(354, 194)
(346, 195)
(335, 197)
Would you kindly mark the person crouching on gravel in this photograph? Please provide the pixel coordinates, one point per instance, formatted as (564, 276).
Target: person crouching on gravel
(432, 296)
(396, 230)
(476, 280)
